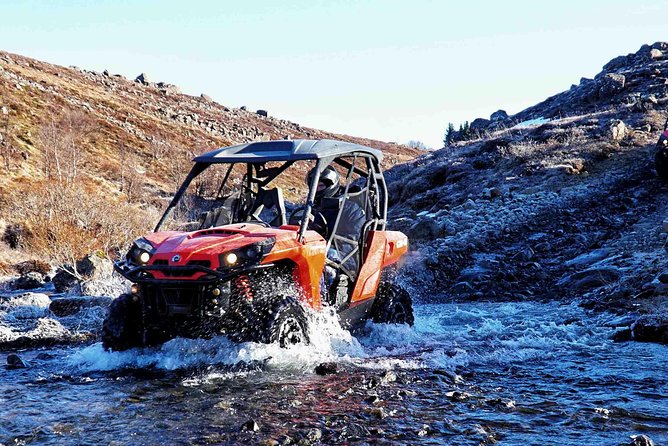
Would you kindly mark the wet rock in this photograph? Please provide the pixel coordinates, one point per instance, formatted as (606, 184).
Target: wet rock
(388, 377)
(458, 396)
(623, 335)
(95, 267)
(424, 431)
(26, 305)
(589, 258)
(650, 328)
(378, 412)
(463, 288)
(313, 435)
(590, 278)
(63, 281)
(250, 426)
(641, 440)
(67, 306)
(14, 361)
(327, 368)
(30, 281)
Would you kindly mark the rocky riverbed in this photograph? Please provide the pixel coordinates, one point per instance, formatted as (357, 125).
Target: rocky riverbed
(560, 202)
(473, 373)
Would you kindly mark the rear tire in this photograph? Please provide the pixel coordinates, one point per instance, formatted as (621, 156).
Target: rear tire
(122, 328)
(661, 162)
(285, 322)
(392, 305)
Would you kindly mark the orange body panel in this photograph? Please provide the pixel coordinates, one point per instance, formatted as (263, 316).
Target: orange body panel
(384, 248)
(309, 258)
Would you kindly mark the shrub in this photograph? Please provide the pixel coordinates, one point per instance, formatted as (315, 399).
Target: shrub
(69, 220)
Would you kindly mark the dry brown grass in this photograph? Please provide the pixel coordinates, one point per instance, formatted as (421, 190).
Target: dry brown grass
(66, 221)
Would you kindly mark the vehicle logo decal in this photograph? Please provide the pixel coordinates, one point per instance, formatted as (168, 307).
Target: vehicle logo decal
(176, 258)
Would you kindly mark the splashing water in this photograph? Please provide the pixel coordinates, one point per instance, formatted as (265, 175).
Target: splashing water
(513, 373)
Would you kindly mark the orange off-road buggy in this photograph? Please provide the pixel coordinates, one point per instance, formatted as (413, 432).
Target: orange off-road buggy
(242, 261)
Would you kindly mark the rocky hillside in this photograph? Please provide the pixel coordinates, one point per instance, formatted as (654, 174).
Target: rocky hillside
(560, 201)
(124, 144)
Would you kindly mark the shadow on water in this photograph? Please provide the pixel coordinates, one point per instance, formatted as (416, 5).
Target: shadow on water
(475, 373)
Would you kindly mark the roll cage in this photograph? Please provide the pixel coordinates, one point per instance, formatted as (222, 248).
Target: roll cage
(368, 189)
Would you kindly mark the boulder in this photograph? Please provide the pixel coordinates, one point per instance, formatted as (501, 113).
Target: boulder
(32, 266)
(63, 281)
(14, 361)
(142, 79)
(588, 258)
(498, 115)
(650, 328)
(95, 267)
(610, 84)
(424, 228)
(326, 368)
(617, 62)
(641, 440)
(67, 306)
(29, 281)
(617, 130)
(590, 278)
(655, 54)
(264, 113)
(480, 124)
(206, 97)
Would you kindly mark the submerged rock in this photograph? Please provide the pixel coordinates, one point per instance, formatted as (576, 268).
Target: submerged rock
(14, 361)
(641, 440)
(327, 368)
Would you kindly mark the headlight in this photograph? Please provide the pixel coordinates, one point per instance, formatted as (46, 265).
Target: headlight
(231, 259)
(247, 255)
(141, 252)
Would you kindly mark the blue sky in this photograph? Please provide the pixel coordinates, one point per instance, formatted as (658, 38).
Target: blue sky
(391, 70)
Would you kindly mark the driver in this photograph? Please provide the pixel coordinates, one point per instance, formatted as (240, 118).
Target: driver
(328, 202)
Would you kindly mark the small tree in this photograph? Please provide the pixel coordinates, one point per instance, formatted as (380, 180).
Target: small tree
(62, 142)
(449, 134)
(413, 144)
(7, 149)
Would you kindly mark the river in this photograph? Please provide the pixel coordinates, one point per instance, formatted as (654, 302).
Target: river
(467, 373)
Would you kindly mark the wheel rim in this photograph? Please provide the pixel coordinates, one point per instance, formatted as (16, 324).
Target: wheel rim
(290, 332)
(400, 314)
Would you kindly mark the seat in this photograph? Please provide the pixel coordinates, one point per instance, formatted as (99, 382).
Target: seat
(266, 200)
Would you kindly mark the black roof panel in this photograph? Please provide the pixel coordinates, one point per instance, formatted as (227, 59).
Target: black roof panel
(285, 150)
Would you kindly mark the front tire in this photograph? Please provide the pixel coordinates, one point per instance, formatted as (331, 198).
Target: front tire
(393, 305)
(285, 323)
(122, 328)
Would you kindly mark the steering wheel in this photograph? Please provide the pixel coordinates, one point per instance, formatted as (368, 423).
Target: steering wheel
(317, 221)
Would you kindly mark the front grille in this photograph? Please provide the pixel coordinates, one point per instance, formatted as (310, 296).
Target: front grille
(172, 301)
